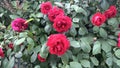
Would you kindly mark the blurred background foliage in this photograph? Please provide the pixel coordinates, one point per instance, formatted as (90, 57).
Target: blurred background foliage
(91, 46)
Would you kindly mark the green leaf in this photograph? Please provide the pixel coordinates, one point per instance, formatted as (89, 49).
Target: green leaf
(112, 42)
(39, 15)
(13, 16)
(43, 39)
(65, 58)
(73, 31)
(23, 34)
(33, 57)
(85, 45)
(37, 49)
(30, 34)
(1, 14)
(18, 54)
(82, 31)
(96, 48)
(94, 61)
(75, 65)
(75, 44)
(85, 63)
(16, 48)
(59, 4)
(76, 19)
(5, 63)
(113, 22)
(11, 63)
(106, 47)
(104, 5)
(118, 62)
(109, 61)
(103, 33)
(30, 41)
(96, 29)
(48, 28)
(79, 9)
(117, 53)
(30, 48)
(20, 41)
(75, 7)
(44, 51)
(8, 52)
(67, 66)
(37, 66)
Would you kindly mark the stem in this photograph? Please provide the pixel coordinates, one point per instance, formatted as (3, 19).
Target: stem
(29, 20)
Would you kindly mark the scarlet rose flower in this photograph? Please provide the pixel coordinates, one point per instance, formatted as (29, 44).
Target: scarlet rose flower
(118, 44)
(40, 58)
(1, 53)
(54, 12)
(19, 24)
(58, 44)
(45, 7)
(10, 45)
(111, 12)
(98, 19)
(62, 23)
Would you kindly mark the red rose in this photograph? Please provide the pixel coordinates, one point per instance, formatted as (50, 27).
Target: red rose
(58, 44)
(98, 19)
(62, 23)
(45, 7)
(1, 52)
(54, 12)
(10, 45)
(40, 58)
(118, 44)
(111, 12)
(19, 24)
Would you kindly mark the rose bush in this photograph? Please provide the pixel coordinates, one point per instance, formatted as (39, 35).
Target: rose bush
(60, 34)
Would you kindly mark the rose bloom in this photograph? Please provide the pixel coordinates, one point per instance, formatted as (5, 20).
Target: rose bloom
(118, 44)
(98, 19)
(1, 53)
(54, 12)
(10, 45)
(45, 7)
(58, 44)
(111, 12)
(62, 23)
(40, 58)
(19, 24)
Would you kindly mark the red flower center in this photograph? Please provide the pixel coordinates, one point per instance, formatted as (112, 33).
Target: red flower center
(58, 46)
(61, 24)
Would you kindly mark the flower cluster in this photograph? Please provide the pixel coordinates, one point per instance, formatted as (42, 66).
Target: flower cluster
(58, 43)
(61, 22)
(98, 18)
